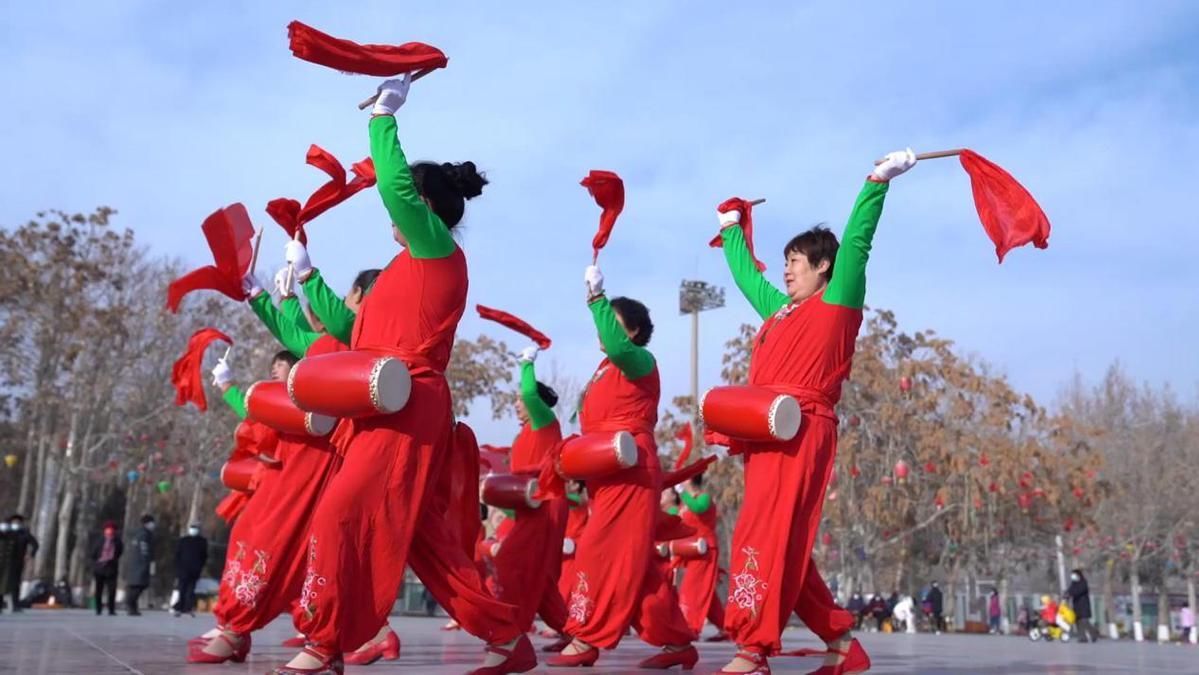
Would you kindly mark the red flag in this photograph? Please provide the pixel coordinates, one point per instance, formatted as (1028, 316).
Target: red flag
(684, 434)
(292, 217)
(185, 374)
(608, 191)
(747, 226)
(516, 324)
(1008, 212)
(311, 45)
(230, 238)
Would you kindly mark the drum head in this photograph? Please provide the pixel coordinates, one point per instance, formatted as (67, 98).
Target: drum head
(318, 424)
(626, 449)
(568, 546)
(785, 417)
(391, 385)
(701, 546)
(530, 490)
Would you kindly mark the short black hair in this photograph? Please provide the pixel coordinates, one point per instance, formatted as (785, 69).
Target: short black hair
(285, 356)
(365, 279)
(547, 394)
(697, 480)
(17, 516)
(635, 317)
(817, 244)
(147, 519)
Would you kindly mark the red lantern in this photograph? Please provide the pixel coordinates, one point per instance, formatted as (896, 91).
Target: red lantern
(1038, 492)
(157, 456)
(141, 467)
(112, 463)
(854, 471)
(905, 384)
(1026, 480)
(1077, 551)
(978, 503)
(886, 480)
(901, 471)
(1078, 493)
(992, 487)
(1025, 500)
(855, 421)
(929, 467)
(826, 539)
(1068, 525)
(983, 460)
(939, 502)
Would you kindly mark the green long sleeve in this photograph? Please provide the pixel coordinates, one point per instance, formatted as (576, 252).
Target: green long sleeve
(329, 307)
(764, 297)
(632, 360)
(540, 414)
(236, 400)
(697, 504)
(288, 334)
(575, 499)
(848, 285)
(426, 235)
(292, 311)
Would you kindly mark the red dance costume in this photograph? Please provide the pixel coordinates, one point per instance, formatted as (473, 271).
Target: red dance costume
(697, 593)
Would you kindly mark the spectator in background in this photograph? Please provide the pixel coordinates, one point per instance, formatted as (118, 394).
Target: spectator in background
(936, 607)
(904, 614)
(1186, 620)
(191, 554)
(23, 547)
(878, 610)
(141, 566)
(1080, 599)
(857, 606)
(994, 611)
(106, 557)
(6, 546)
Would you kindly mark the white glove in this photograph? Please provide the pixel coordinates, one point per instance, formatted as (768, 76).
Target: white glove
(297, 256)
(894, 164)
(251, 285)
(529, 354)
(222, 374)
(281, 284)
(594, 279)
(729, 218)
(392, 95)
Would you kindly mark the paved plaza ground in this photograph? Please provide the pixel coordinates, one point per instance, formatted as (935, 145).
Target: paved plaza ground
(76, 641)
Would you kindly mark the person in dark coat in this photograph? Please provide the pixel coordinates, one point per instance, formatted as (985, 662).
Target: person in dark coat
(6, 546)
(106, 557)
(191, 553)
(1080, 599)
(23, 547)
(857, 607)
(141, 565)
(877, 608)
(936, 607)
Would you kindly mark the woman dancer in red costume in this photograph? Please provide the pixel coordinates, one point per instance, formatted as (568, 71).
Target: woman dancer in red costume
(804, 348)
(617, 584)
(387, 506)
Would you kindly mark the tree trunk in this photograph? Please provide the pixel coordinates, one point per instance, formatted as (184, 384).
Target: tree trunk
(29, 469)
(1138, 631)
(1163, 614)
(80, 571)
(1004, 624)
(193, 512)
(1109, 606)
(1194, 637)
(45, 522)
(62, 550)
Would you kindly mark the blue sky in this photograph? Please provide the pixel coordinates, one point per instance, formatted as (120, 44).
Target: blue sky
(168, 111)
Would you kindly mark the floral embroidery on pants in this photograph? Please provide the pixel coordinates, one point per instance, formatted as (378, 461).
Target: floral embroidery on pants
(748, 590)
(580, 605)
(313, 582)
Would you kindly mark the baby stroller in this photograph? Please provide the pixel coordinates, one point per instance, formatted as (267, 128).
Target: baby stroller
(1056, 622)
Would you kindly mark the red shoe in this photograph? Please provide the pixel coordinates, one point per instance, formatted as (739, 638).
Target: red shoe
(387, 649)
(295, 642)
(329, 665)
(856, 661)
(666, 659)
(240, 651)
(762, 667)
(521, 658)
(558, 645)
(583, 658)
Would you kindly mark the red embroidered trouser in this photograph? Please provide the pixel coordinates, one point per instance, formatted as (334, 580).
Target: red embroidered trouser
(612, 555)
(527, 563)
(697, 593)
(264, 568)
(386, 508)
(772, 542)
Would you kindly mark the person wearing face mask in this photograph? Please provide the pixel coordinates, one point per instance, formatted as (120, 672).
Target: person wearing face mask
(191, 553)
(1080, 599)
(24, 547)
(804, 348)
(141, 566)
(106, 558)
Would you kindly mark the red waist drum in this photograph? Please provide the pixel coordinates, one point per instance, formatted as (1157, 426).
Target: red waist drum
(350, 384)
(238, 474)
(751, 413)
(267, 402)
(688, 548)
(510, 491)
(597, 455)
(487, 549)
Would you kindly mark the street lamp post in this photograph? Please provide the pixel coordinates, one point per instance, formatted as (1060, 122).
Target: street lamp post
(696, 297)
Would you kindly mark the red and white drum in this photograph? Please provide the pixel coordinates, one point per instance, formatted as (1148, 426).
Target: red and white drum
(359, 383)
(688, 548)
(663, 549)
(597, 455)
(238, 474)
(751, 413)
(487, 549)
(510, 491)
(568, 547)
(267, 402)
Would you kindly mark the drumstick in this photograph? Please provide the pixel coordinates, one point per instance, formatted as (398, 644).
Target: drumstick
(227, 350)
(371, 101)
(755, 202)
(932, 155)
(291, 268)
(257, 244)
